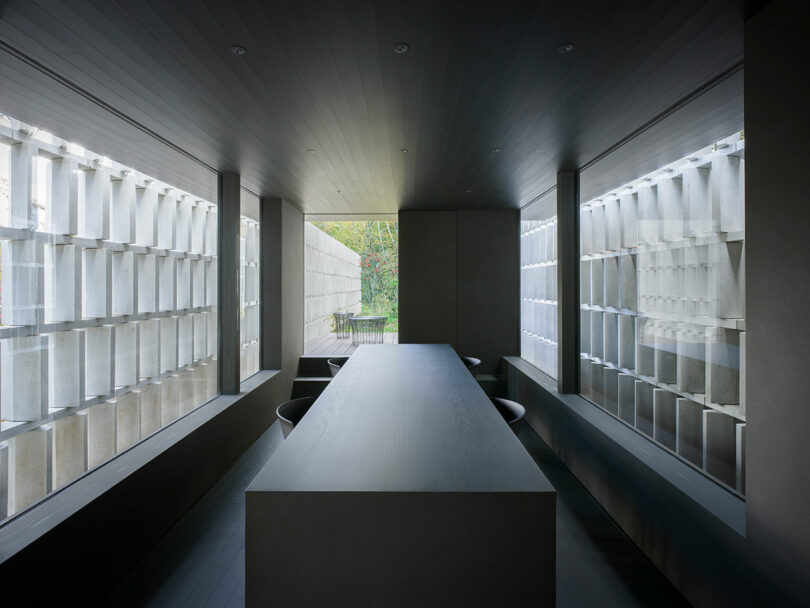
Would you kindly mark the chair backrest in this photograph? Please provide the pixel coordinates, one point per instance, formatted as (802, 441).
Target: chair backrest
(472, 364)
(291, 412)
(335, 363)
(511, 411)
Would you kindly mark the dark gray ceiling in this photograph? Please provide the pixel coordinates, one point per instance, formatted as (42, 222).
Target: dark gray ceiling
(323, 76)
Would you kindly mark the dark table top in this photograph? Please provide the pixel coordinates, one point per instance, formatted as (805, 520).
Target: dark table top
(402, 418)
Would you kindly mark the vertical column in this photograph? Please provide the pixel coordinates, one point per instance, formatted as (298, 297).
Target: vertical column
(568, 281)
(228, 259)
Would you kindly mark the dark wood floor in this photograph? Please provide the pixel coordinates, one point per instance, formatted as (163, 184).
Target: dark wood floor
(330, 344)
(200, 562)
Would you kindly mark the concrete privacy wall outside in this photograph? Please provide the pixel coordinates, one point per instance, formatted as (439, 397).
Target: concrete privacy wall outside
(332, 281)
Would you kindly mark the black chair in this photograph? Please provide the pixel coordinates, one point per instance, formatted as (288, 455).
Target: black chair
(335, 363)
(511, 411)
(291, 412)
(472, 364)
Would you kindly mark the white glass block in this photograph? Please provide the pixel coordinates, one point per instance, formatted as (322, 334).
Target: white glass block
(689, 431)
(183, 223)
(644, 407)
(629, 281)
(124, 283)
(29, 464)
(585, 282)
(691, 359)
(611, 338)
(670, 201)
(147, 283)
(146, 203)
(122, 221)
(21, 174)
(698, 216)
(599, 242)
(167, 282)
(23, 378)
(727, 280)
(611, 278)
(98, 361)
(200, 336)
(645, 346)
(198, 231)
(719, 446)
(185, 340)
(128, 420)
(95, 283)
(610, 387)
(149, 351)
(69, 448)
(62, 283)
(613, 225)
(170, 398)
(665, 353)
(198, 283)
(151, 412)
(101, 422)
(586, 231)
(95, 215)
(65, 386)
(627, 342)
(211, 232)
(167, 221)
(598, 282)
(64, 207)
(629, 218)
(664, 418)
(597, 328)
(728, 192)
(723, 366)
(183, 283)
(627, 398)
(22, 282)
(168, 344)
(126, 354)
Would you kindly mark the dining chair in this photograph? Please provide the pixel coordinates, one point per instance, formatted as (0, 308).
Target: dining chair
(472, 364)
(511, 411)
(291, 412)
(335, 363)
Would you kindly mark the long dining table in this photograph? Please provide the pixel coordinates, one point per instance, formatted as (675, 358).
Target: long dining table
(402, 486)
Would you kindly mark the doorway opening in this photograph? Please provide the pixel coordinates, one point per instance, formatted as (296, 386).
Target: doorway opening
(351, 284)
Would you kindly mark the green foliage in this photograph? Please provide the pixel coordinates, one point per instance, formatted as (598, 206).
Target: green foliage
(377, 242)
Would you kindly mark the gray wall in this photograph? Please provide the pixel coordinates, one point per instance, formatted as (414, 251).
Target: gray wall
(459, 281)
(778, 289)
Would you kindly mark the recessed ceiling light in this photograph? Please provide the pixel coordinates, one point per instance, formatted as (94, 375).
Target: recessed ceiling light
(565, 47)
(496, 150)
(400, 48)
(238, 50)
(404, 150)
(340, 191)
(310, 150)
(468, 191)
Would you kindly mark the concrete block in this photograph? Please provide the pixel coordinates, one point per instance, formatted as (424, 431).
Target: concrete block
(599, 242)
(169, 399)
(585, 383)
(166, 221)
(64, 208)
(644, 408)
(185, 391)
(94, 214)
(598, 384)
(585, 282)
(167, 282)
(198, 283)
(198, 232)
(211, 231)
(690, 431)
(627, 398)
(586, 231)
(69, 448)
(645, 346)
(211, 387)
(96, 283)
(183, 222)
(598, 282)
(727, 280)
(127, 357)
(168, 344)
(664, 418)
(149, 348)
(185, 340)
(719, 446)
(183, 283)
(212, 334)
(151, 412)
(585, 331)
(727, 184)
(200, 329)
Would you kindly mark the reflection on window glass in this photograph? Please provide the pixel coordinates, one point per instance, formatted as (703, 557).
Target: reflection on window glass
(538, 293)
(663, 311)
(108, 322)
(249, 245)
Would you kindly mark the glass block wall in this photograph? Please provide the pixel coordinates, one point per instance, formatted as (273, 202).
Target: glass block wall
(663, 310)
(249, 286)
(538, 293)
(108, 310)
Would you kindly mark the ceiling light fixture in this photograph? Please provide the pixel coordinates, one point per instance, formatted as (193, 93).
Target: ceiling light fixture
(310, 150)
(340, 191)
(468, 191)
(496, 150)
(400, 48)
(565, 47)
(404, 150)
(238, 50)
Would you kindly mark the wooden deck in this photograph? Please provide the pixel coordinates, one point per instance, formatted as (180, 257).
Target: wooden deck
(331, 345)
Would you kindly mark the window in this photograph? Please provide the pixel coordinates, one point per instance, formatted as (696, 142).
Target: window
(538, 293)
(108, 303)
(249, 244)
(662, 307)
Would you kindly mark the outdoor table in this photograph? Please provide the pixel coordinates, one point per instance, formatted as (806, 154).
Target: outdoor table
(367, 330)
(402, 486)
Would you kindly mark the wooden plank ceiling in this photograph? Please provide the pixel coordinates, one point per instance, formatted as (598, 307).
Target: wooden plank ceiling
(319, 107)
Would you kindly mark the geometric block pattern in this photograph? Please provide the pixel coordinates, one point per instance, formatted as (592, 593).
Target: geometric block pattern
(108, 310)
(249, 251)
(538, 294)
(662, 300)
